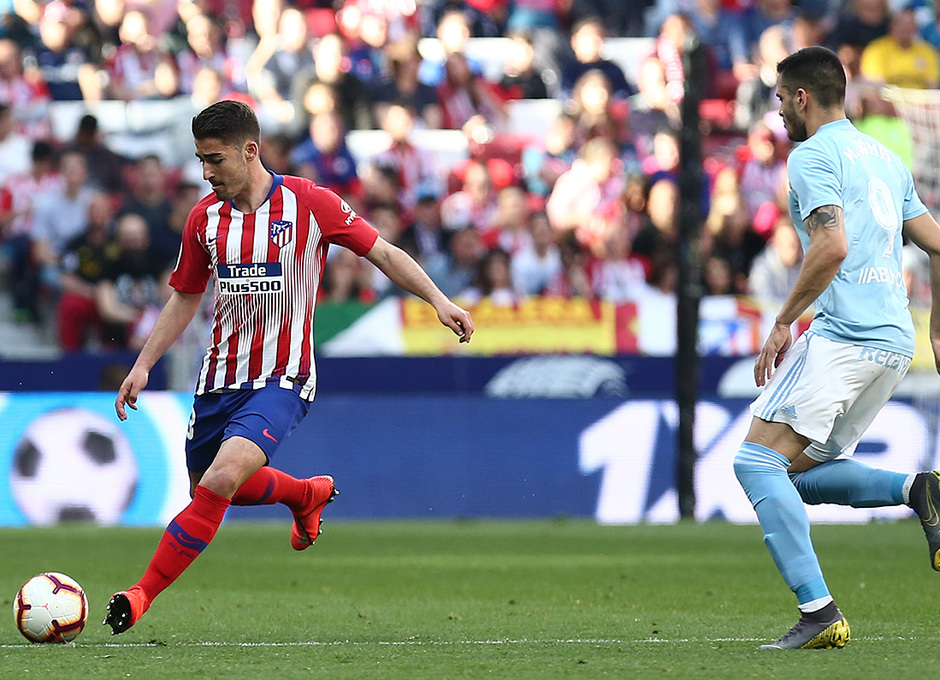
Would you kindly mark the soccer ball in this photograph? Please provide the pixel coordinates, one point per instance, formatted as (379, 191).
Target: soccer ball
(51, 607)
(73, 464)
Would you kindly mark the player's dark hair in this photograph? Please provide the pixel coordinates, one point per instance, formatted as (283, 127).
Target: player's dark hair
(818, 71)
(231, 122)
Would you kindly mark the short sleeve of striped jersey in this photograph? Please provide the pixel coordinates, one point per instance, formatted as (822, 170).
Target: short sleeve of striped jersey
(338, 222)
(193, 266)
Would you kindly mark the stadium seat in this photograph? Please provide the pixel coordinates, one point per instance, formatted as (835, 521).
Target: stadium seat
(320, 21)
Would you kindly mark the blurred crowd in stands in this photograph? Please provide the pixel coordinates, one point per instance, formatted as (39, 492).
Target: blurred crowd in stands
(586, 208)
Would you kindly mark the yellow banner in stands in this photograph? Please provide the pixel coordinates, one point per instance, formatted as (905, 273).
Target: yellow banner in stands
(534, 325)
(923, 353)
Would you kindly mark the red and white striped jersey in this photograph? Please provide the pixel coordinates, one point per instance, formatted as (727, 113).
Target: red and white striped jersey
(267, 265)
(22, 195)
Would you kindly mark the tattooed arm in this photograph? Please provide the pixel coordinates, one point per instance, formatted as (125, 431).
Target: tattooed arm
(827, 249)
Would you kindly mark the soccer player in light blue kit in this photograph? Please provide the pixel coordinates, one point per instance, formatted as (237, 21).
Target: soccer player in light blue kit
(851, 196)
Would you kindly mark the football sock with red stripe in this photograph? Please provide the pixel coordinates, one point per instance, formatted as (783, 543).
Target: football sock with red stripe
(184, 539)
(269, 485)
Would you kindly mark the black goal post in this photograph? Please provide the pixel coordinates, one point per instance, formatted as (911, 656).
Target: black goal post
(690, 269)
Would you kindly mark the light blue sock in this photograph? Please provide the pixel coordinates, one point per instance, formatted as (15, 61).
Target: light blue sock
(762, 473)
(848, 482)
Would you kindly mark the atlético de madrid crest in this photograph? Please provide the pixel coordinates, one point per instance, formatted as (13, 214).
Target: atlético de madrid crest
(282, 232)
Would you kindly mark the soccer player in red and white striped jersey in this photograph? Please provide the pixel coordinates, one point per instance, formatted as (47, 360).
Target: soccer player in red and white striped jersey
(265, 238)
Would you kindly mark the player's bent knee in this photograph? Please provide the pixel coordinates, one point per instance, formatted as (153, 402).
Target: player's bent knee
(223, 481)
(742, 465)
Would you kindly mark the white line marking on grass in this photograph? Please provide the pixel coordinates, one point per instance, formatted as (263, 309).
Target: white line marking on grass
(444, 643)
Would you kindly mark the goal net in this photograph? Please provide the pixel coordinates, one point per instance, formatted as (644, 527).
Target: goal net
(920, 110)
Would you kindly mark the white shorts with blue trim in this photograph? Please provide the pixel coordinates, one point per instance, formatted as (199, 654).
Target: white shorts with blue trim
(829, 392)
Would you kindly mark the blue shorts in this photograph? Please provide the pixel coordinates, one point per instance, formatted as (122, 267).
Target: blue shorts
(264, 416)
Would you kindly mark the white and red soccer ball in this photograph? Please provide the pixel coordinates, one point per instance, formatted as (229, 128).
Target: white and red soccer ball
(50, 607)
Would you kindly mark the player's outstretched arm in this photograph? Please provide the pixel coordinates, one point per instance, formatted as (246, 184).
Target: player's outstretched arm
(176, 315)
(827, 249)
(924, 231)
(404, 272)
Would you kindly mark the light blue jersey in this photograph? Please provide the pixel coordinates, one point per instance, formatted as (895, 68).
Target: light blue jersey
(866, 303)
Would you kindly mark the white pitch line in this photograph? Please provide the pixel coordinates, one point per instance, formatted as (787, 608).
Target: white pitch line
(442, 643)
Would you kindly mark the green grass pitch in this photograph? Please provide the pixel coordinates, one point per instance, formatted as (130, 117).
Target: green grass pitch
(480, 599)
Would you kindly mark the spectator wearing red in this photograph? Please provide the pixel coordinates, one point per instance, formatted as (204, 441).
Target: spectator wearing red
(763, 177)
(207, 49)
(131, 70)
(28, 98)
(674, 35)
(15, 148)
(20, 200)
(465, 97)
(415, 166)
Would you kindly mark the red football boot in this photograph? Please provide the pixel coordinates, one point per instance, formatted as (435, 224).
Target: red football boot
(306, 525)
(125, 609)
